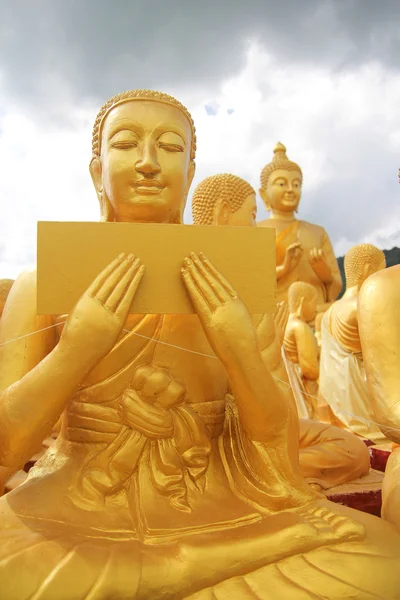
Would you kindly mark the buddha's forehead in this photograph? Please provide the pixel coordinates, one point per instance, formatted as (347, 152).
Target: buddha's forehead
(289, 174)
(148, 115)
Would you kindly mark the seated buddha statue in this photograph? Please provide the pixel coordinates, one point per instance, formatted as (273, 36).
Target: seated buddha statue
(379, 331)
(328, 456)
(303, 250)
(300, 344)
(174, 475)
(343, 381)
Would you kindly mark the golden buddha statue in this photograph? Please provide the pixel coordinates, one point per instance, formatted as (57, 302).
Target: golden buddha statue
(162, 484)
(379, 327)
(303, 250)
(343, 381)
(328, 457)
(300, 343)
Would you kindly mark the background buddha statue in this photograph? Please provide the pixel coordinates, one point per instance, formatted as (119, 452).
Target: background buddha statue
(328, 456)
(379, 327)
(174, 475)
(303, 250)
(343, 381)
(300, 344)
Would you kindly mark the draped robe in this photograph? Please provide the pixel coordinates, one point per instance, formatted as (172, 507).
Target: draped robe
(88, 520)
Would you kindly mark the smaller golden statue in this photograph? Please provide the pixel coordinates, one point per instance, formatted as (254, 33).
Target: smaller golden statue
(343, 381)
(301, 346)
(303, 250)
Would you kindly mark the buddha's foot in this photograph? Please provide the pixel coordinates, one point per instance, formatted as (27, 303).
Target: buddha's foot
(332, 526)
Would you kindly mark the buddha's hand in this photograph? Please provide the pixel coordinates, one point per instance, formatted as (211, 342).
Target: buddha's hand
(95, 323)
(224, 317)
(145, 406)
(293, 255)
(320, 265)
(281, 318)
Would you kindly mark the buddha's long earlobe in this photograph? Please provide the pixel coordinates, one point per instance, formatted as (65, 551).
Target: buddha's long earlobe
(191, 173)
(265, 199)
(106, 211)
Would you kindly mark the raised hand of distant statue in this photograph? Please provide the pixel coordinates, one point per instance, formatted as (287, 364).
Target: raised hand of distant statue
(94, 325)
(320, 265)
(224, 317)
(281, 318)
(293, 256)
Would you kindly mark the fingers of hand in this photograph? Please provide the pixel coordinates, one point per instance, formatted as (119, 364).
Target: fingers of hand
(207, 292)
(127, 299)
(122, 286)
(199, 303)
(217, 275)
(102, 277)
(113, 278)
(208, 275)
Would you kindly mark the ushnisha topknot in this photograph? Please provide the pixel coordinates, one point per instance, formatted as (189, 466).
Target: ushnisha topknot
(280, 161)
(223, 186)
(138, 95)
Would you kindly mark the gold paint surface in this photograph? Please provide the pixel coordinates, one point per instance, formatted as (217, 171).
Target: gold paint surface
(70, 256)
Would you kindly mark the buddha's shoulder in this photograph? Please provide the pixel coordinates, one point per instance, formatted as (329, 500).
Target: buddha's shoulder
(312, 228)
(267, 223)
(383, 285)
(24, 290)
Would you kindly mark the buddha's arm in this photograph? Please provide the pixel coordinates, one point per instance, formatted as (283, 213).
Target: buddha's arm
(36, 379)
(379, 329)
(334, 286)
(308, 351)
(228, 326)
(35, 388)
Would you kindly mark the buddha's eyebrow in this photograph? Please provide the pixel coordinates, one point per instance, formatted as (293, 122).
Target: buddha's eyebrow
(125, 124)
(169, 128)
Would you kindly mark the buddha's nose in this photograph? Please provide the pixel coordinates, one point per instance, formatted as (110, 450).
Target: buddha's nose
(148, 163)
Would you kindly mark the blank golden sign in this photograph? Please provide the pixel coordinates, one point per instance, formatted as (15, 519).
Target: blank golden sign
(71, 255)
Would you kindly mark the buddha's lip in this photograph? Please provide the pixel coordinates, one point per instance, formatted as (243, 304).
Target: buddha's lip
(148, 183)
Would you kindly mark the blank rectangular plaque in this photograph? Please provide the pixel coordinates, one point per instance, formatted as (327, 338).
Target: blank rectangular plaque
(71, 255)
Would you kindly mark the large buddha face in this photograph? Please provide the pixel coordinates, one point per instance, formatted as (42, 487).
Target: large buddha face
(144, 171)
(283, 190)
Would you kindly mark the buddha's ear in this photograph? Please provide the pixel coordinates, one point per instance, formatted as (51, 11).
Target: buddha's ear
(191, 173)
(96, 172)
(265, 199)
(366, 272)
(222, 212)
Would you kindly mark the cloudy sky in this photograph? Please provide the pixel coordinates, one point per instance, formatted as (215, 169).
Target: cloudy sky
(321, 76)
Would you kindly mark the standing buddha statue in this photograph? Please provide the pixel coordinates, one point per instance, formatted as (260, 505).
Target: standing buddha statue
(303, 250)
(174, 475)
(343, 381)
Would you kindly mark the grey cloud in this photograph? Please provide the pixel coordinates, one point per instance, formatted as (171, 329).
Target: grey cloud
(99, 48)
